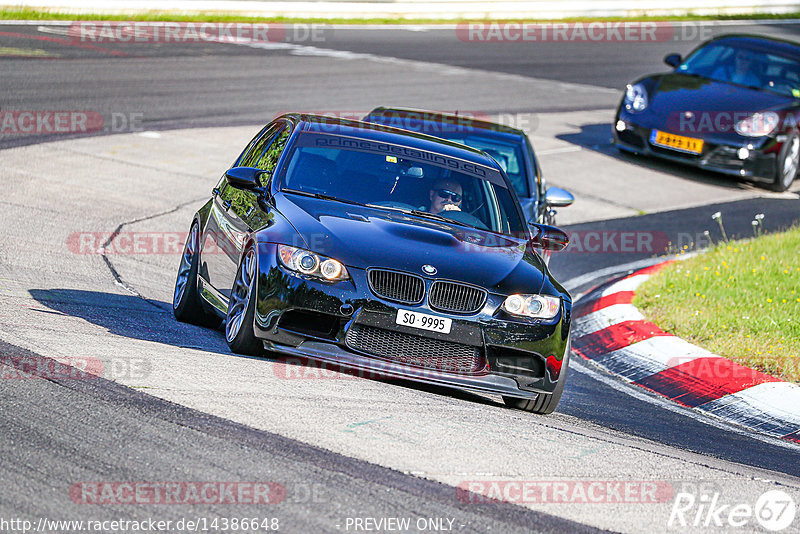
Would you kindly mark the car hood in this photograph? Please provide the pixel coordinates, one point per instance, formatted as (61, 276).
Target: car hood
(365, 237)
(675, 93)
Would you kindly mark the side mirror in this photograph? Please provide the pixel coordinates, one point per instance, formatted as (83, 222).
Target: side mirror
(244, 177)
(556, 197)
(673, 60)
(548, 237)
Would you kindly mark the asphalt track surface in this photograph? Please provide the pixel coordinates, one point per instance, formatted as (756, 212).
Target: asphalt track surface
(342, 448)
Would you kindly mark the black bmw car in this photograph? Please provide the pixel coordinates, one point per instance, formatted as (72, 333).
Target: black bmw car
(509, 146)
(731, 106)
(379, 250)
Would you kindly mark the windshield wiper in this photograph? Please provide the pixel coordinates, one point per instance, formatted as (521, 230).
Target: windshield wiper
(437, 217)
(423, 214)
(322, 196)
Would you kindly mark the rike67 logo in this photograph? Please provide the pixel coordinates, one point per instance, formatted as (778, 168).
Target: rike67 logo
(774, 511)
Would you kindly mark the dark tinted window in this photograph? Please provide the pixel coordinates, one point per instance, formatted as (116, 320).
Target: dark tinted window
(257, 147)
(736, 63)
(508, 155)
(269, 158)
(410, 180)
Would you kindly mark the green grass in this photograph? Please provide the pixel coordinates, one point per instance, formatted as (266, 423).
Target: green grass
(22, 13)
(740, 300)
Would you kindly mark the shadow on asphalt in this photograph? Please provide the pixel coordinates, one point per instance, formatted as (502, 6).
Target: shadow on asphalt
(130, 316)
(598, 138)
(133, 317)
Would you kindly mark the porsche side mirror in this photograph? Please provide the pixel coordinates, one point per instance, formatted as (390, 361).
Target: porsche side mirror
(555, 197)
(673, 60)
(548, 237)
(244, 177)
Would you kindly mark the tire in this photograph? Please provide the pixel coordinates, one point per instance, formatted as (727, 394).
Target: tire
(186, 302)
(788, 163)
(545, 403)
(240, 318)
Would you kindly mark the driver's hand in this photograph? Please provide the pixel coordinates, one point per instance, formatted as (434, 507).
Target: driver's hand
(450, 207)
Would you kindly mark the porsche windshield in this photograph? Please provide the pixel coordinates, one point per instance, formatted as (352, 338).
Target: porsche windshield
(738, 64)
(401, 178)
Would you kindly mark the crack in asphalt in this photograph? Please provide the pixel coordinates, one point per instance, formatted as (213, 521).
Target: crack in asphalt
(114, 273)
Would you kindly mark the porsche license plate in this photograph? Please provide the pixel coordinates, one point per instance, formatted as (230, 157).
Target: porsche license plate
(423, 321)
(676, 142)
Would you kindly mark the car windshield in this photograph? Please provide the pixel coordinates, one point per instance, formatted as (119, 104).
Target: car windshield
(734, 63)
(394, 177)
(508, 155)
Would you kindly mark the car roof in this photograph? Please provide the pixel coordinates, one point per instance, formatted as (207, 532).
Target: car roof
(760, 43)
(416, 118)
(389, 134)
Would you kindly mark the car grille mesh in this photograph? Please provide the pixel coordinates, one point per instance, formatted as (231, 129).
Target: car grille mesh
(396, 286)
(453, 297)
(416, 350)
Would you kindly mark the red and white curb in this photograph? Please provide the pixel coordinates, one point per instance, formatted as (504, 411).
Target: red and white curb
(610, 331)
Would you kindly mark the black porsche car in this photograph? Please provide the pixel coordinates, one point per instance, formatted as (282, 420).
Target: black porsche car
(510, 146)
(731, 106)
(379, 250)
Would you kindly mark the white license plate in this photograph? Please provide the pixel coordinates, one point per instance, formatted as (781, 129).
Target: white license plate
(423, 321)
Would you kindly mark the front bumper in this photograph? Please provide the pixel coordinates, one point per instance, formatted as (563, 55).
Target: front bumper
(720, 153)
(307, 318)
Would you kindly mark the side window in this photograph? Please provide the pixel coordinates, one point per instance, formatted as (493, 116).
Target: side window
(251, 144)
(263, 153)
(539, 186)
(268, 159)
(257, 146)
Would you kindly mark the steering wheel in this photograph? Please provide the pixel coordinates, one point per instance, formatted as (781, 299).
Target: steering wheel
(466, 218)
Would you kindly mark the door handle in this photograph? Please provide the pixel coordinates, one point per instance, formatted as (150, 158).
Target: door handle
(226, 204)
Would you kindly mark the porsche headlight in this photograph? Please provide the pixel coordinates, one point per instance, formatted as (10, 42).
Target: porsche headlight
(758, 124)
(534, 306)
(635, 98)
(308, 263)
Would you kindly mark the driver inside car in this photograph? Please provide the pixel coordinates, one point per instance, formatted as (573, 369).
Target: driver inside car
(446, 195)
(742, 71)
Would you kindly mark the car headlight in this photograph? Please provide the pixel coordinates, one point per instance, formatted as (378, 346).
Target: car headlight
(635, 98)
(758, 124)
(534, 306)
(308, 263)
